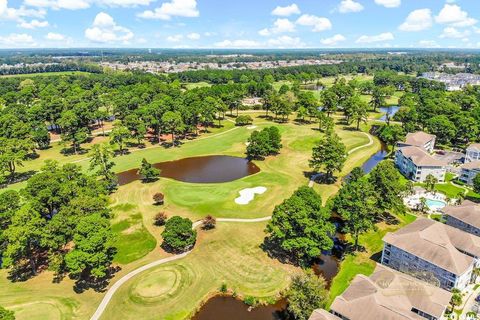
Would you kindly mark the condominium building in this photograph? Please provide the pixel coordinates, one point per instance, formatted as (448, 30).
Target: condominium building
(434, 252)
(465, 217)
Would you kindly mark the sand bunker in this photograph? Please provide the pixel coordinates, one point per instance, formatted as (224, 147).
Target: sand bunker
(247, 195)
(251, 127)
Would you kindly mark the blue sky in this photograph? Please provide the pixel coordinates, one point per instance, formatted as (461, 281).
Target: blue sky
(240, 23)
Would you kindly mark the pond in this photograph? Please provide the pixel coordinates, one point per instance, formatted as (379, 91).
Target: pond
(229, 308)
(389, 111)
(206, 169)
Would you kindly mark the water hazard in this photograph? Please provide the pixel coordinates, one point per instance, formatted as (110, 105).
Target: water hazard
(207, 169)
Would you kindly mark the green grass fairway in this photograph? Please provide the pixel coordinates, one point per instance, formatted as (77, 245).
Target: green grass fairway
(132, 241)
(229, 254)
(173, 291)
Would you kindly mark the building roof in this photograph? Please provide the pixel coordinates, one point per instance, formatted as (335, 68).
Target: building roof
(437, 243)
(418, 138)
(420, 157)
(471, 165)
(474, 146)
(468, 212)
(389, 294)
(321, 314)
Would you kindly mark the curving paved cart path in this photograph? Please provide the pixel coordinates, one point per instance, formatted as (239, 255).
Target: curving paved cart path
(111, 291)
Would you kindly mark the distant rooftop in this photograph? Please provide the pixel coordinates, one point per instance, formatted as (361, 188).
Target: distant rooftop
(418, 138)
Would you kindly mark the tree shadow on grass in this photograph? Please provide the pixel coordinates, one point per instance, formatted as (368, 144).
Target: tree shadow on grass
(274, 251)
(84, 283)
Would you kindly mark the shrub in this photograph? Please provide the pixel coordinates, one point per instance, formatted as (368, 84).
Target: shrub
(160, 219)
(243, 120)
(178, 235)
(209, 223)
(250, 301)
(223, 288)
(158, 198)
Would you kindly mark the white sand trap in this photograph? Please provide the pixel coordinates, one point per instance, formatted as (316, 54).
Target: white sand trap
(251, 127)
(247, 195)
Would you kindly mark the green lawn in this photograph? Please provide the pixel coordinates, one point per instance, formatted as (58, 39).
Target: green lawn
(230, 254)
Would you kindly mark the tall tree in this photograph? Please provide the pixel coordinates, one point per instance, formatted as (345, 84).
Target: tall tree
(119, 136)
(386, 181)
(356, 203)
(173, 123)
(179, 235)
(300, 226)
(101, 160)
(328, 154)
(148, 172)
(307, 292)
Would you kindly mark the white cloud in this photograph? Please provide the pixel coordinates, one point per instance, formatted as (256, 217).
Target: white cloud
(237, 44)
(453, 33)
(125, 3)
(332, 41)
(417, 20)
(59, 4)
(175, 38)
(33, 24)
(105, 30)
(286, 11)
(318, 23)
(350, 6)
(18, 14)
(453, 15)
(389, 3)
(17, 40)
(279, 26)
(193, 36)
(180, 8)
(285, 42)
(55, 36)
(386, 36)
(428, 44)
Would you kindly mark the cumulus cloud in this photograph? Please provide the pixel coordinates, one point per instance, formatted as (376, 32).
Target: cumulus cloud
(454, 33)
(389, 3)
(175, 38)
(180, 8)
(237, 44)
(285, 42)
(52, 36)
(33, 24)
(105, 30)
(18, 14)
(332, 41)
(453, 15)
(286, 11)
(193, 36)
(417, 20)
(279, 26)
(386, 36)
(318, 23)
(350, 6)
(59, 4)
(17, 40)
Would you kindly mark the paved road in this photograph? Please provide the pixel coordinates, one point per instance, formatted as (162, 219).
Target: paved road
(111, 291)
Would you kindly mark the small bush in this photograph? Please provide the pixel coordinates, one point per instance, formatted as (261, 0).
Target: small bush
(209, 223)
(250, 301)
(158, 198)
(160, 219)
(223, 288)
(243, 120)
